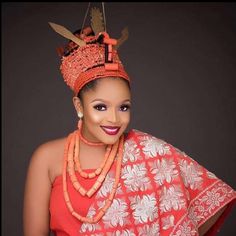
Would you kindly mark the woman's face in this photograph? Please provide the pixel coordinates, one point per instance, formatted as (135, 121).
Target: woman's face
(106, 110)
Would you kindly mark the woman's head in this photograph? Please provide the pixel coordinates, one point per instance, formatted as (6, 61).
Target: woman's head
(105, 104)
(96, 74)
(91, 67)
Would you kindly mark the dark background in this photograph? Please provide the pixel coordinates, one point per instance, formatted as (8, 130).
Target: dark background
(181, 59)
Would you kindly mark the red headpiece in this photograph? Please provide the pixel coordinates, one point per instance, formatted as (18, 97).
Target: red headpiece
(90, 57)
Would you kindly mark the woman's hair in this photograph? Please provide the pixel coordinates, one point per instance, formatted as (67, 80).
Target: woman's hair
(71, 46)
(92, 85)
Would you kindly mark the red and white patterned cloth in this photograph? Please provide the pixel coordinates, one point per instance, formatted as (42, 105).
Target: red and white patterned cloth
(162, 191)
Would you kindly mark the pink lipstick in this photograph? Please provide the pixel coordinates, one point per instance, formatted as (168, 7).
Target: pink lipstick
(111, 130)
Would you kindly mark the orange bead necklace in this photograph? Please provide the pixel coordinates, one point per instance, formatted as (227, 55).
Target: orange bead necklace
(77, 160)
(71, 157)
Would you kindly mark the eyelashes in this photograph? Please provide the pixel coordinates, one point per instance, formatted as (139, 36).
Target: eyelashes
(103, 107)
(100, 107)
(125, 107)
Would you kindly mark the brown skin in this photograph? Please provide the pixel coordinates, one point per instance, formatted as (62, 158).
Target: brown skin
(107, 104)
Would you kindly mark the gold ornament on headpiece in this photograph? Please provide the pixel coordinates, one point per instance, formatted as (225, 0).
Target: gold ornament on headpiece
(97, 23)
(123, 38)
(89, 57)
(67, 34)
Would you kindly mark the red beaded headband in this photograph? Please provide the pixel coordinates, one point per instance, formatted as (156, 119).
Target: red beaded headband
(90, 57)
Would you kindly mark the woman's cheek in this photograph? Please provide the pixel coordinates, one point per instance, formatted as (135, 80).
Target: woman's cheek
(95, 116)
(126, 118)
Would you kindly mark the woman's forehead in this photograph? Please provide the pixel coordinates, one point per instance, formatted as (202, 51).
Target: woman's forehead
(109, 88)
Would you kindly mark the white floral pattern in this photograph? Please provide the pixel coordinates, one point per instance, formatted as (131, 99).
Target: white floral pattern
(89, 227)
(131, 152)
(194, 215)
(149, 230)
(135, 177)
(186, 230)
(144, 209)
(106, 187)
(171, 198)
(125, 232)
(168, 222)
(214, 198)
(211, 175)
(191, 174)
(116, 214)
(164, 170)
(152, 146)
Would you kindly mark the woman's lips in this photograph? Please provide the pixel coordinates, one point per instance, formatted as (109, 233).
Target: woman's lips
(111, 130)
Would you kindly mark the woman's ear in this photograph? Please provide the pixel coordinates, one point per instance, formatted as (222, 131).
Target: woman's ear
(78, 105)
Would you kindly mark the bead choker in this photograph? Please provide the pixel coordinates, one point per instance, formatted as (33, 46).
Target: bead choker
(84, 139)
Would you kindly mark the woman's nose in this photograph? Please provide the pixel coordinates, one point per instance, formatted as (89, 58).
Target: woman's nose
(113, 116)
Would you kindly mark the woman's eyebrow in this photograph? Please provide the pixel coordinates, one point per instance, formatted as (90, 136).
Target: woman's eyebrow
(105, 101)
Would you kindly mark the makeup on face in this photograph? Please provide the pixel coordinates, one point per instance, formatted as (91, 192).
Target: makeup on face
(106, 111)
(111, 130)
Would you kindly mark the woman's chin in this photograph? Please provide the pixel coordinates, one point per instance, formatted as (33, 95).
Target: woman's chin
(111, 139)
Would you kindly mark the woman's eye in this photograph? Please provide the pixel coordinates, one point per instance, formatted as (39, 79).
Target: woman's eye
(124, 107)
(100, 107)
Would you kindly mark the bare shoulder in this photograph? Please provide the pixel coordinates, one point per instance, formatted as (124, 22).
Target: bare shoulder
(47, 151)
(45, 163)
(49, 155)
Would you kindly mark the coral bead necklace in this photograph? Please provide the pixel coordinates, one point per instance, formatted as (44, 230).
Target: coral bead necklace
(71, 162)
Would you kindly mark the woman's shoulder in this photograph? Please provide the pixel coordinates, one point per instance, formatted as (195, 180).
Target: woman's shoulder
(49, 156)
(141, 135)
(51, 147)
(153, 144)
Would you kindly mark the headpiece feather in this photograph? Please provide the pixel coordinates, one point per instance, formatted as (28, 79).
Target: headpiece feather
(66, 33)
(97, 23)
(123, 38)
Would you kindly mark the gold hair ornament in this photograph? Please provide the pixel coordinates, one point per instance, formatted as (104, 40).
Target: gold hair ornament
(67, 34)
(97, 23)
(123, 38)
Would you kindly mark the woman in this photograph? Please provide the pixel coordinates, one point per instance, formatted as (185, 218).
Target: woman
(102, 181)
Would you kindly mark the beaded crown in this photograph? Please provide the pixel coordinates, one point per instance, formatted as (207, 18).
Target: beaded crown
(90, 54)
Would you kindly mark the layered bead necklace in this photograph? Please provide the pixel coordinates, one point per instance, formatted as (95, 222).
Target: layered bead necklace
(72, 163)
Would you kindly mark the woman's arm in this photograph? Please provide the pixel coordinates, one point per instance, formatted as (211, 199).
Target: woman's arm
(209, 223)
(37, 195)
